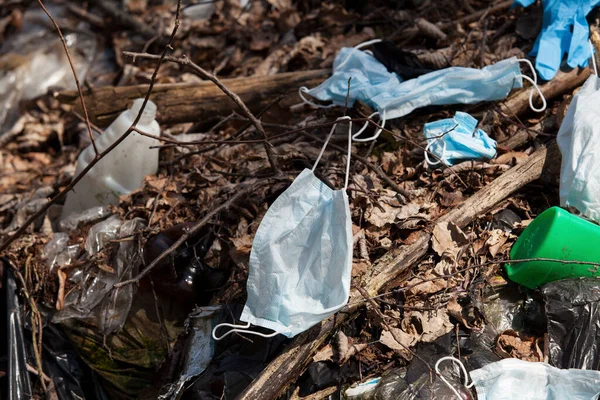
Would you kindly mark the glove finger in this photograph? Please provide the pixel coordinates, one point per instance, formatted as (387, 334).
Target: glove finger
(579, 49)
(553, 45)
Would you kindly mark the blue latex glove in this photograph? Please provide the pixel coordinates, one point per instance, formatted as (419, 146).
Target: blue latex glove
(556, 37)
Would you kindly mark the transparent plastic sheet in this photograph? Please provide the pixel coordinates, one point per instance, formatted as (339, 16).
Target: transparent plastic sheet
(573, 311)
(26, 53)
(72, 378)
(95, 297)
(417, 382)
(74, 220)
(19, 386)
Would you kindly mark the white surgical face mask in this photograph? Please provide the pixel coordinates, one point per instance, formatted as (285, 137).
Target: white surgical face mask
(512, 378)
(301, 258)
(393, 98)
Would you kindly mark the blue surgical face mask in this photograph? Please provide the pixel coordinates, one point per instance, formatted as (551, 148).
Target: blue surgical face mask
(301, 258)
(393, 98)
(455, 139)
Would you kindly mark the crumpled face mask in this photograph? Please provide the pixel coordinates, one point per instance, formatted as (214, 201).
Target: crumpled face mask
(512, 378)
(393, 98)
(454, 139)
(301, 258)
(578, 140)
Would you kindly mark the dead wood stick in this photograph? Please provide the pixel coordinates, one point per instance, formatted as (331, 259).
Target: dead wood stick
(186, 62)
(6, 243)
(193, 102)
(476, 15)
(286, 368)
(562, 83)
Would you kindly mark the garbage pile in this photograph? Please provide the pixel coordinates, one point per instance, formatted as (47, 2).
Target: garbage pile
(267, 199)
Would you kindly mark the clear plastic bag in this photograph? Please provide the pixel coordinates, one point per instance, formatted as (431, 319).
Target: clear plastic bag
(95, 295)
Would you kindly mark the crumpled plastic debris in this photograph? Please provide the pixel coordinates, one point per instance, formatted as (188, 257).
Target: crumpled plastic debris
(94, 295)
(404, 63)
(198, 350)
(32, 50)
(73, 221)
(580, 132)
(573, 332)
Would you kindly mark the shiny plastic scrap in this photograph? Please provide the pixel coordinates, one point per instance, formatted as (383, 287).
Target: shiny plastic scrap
(580, 132)
(573, 312)
(565, 30)
(94, 295)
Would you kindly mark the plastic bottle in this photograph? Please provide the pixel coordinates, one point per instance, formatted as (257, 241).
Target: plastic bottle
(123, 169)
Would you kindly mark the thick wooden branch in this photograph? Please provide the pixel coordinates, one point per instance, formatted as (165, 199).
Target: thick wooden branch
(286, 368)
(193, 102)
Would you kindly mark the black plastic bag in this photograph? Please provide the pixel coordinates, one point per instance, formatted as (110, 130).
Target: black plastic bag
(404, 63)
(573, 312)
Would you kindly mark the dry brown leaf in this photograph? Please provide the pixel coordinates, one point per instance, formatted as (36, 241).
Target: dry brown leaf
(428, 325)
(511, 344)
(359, 268)
(388, 213)
(325, 354)
(404, 340)
(447, 237)
(496, 240)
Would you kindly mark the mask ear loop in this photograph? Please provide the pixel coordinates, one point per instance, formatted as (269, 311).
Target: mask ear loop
(593, 57)
(356, 138)
(304, 89)
(432, 163)
(349, 147)
(535, 86)
(241, 329)
(464, 370)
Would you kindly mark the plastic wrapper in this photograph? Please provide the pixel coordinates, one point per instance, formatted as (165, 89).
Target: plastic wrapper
(573, 312)
(19, 385)
(71, 377)
(74, 220)
(94, 295)
(198, 350)
(25, 54)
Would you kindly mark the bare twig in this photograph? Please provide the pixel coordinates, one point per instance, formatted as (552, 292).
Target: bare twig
(368, 164)
(236, 99)
(98, 156)
(64, 43)
(189, 233)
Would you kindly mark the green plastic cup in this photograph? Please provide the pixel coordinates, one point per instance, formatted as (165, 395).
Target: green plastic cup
(559, 235)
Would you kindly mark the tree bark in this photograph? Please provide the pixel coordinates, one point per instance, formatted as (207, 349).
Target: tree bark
(192, 102)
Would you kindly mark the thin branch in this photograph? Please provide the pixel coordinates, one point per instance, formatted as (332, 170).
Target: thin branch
(189, 233)
(99, 156)
(64, 43)
(403, 192)
(236, 99)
